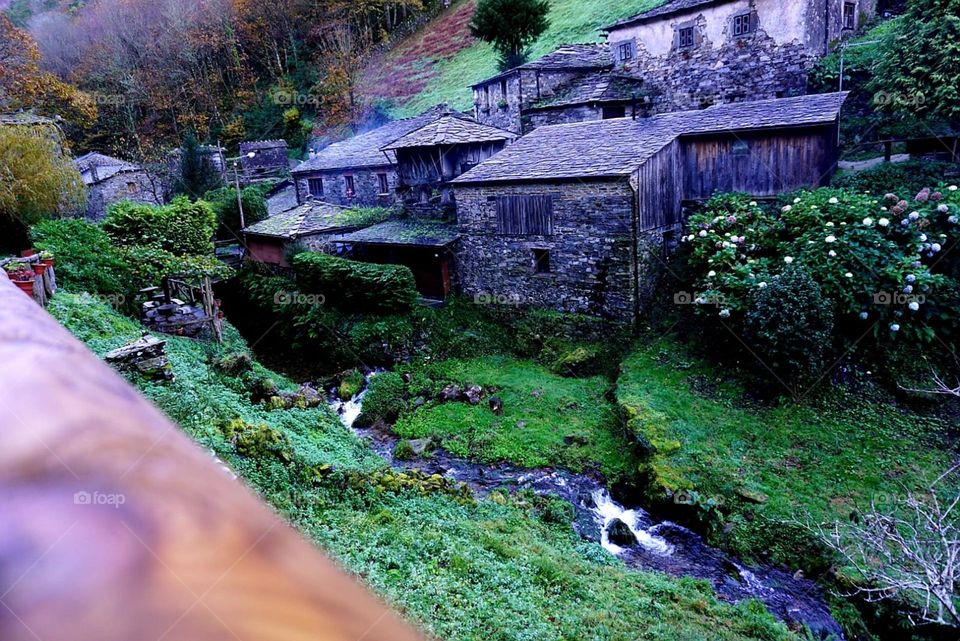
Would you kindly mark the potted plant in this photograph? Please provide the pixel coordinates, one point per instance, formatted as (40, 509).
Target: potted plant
(39, 268)
(27, 253)
(22, 276)
(46, 258)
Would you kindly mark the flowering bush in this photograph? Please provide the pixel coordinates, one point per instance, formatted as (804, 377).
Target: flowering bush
(878, 261)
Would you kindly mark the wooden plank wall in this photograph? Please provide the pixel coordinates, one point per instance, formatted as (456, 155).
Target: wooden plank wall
(659, 190)
(769, 162)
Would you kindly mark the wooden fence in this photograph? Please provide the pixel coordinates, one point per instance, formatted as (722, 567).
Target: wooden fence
(114, 525)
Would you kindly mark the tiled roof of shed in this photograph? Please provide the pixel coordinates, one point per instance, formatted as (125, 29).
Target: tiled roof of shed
(364, 150)
(579, 57)
(425, 233)
(599, 86)
(666, 9)
(617, 147)
(312, 217)
(107, 167)
(451, 129)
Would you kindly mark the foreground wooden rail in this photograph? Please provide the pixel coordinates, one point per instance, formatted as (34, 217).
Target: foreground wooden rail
(115, 526)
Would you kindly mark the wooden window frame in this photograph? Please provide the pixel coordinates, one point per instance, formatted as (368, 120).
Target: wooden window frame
(383, 184)
(350, 186)
(541, 261)
(683, 41)
(625, 51)
(744, 24)
(311, 183)
(849, 20)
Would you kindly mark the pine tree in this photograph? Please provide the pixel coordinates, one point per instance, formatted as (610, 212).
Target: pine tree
(511, 26)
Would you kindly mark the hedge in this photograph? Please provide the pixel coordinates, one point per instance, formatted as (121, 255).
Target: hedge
(354, 286)
(182, 227)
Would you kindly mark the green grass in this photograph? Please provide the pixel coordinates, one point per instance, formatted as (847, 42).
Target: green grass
(455, 60)
(547, 420)
(497, 570)
(821, 458)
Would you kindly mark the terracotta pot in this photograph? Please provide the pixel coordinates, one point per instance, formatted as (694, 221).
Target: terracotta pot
(28, 252)
(26, 286)
(39, 268)
(48, 262)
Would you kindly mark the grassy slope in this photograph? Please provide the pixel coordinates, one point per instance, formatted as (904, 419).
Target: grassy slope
(820, 458)
(494, 571)
(438, 63)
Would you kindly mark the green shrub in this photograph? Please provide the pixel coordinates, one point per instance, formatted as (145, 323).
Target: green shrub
(901, 178)
(182, 227)
(223, 201)
(790, 323)
(86, 260)
(354, 286)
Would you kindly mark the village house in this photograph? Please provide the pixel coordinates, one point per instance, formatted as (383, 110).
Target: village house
(310, 226)
(263, 159)
(428, 158)
(684, 54)
(109, 180)
(355, 172)
(579, 217)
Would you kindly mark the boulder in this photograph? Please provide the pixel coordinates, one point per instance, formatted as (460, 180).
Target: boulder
(145, 356)
(619, 533)
(451, 393)
(474, 394)
(409, 449)
(496, 405)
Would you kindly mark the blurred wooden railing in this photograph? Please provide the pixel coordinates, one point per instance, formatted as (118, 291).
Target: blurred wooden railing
(114, 525)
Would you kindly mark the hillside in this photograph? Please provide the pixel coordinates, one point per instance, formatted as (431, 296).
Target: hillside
(438, 62)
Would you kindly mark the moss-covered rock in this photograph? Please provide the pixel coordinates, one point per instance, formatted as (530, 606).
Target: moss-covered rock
(351, 385)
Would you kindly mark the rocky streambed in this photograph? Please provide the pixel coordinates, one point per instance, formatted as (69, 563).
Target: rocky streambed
(630, 533)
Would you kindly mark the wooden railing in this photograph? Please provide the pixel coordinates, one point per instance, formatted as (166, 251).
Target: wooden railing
(114, 525)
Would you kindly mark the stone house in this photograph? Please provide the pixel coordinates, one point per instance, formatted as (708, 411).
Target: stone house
(428, 158)
(579, 217)
(109, 180)
(355, 171)
(684, 54)
(311, 225)
(262, 159)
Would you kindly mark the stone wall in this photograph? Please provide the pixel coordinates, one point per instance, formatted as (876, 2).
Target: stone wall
(269, 158)
(134, 186)
(504, 109)
(590, 265)
(366, 187)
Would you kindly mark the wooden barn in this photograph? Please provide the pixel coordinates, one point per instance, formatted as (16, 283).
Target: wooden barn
(578, 217)
(428, 158)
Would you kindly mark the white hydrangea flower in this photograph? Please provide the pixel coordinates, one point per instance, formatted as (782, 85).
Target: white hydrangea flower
(834, 200)
(864, 315)
(914, 215)
(796, 200)
(830, 224)
(703, 233)
(883, 222)
(830, 239)
(894, 327)
(832, 254)
(788, 259)
(936, 247)
(952, 188)
(914, 306)
(753, 203)
(786, 208)
(868, 221)
(848, 275)
(761, 284)
(711, 274)
(724, 313)
(923, 238)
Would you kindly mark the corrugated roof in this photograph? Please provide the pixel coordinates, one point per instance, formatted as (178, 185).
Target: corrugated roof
(667, 9)
(312, 217)
(451, 129)
(425, 233)
(364, 150)
(609, 148)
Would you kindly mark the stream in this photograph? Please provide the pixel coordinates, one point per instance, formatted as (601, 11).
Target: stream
(661, 546)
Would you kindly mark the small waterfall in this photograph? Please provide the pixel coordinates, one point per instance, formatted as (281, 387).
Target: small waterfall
(607, 511)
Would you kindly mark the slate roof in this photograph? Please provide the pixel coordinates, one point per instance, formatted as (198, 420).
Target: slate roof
(451, 129)
(106, 167)
(666, 9)
(364, 150)
(424, 233)
(24, 118)
(617, 147)
(599, 86)
(312, 217)
(572, 57)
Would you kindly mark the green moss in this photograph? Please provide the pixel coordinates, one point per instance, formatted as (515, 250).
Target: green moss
(351, 384)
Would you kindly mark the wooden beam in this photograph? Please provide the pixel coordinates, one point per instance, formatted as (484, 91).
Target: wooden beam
(115, 526)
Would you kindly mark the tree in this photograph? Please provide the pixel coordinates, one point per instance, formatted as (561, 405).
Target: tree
(919, 72)
(197, 175)
(910, 551)
(510, 25)
(37, 179)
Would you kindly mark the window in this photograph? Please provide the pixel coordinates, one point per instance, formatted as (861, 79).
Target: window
(741, 148)
(503, 89)
(131, 188)
(743, 24)
(625, 52)
(486, 97)
(614, 111)
(685, 37)
(315, 187)
(384, 184)
(541, 261)
(849, 15)
(350, 188)
(525, 215)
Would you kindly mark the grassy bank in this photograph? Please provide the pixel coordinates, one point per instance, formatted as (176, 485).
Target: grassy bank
(761, 466)
(499, 569)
